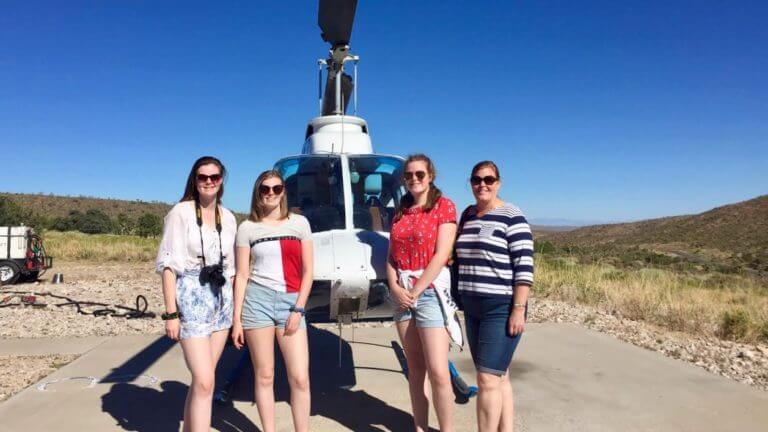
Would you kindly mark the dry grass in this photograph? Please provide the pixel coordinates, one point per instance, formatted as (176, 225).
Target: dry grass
(76, 246)
(728, 306)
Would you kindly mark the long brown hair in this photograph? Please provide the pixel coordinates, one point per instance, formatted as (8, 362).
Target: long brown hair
(257, 208)
(434, 192)
(190, 191)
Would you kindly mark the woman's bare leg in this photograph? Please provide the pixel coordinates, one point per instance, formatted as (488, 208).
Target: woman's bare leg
(295, 351)
(197, 412)
(417, 373)
(489, 402)
(507, 406)
(261, 345)
(435, 342)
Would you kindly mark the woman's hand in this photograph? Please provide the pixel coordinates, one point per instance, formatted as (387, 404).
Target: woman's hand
(172, 328)
(238, 339)
(294, 320)
(416, 292)
(517, 321)
(403, 297)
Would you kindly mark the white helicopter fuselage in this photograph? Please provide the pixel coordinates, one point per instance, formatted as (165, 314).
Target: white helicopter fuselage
(348, 193)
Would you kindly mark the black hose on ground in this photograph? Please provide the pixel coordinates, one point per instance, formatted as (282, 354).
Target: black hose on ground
(140, 311)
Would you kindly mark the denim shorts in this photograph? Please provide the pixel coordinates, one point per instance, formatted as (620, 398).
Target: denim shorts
(491, 345)
(427, 312)
(265, 307)
(202, 311)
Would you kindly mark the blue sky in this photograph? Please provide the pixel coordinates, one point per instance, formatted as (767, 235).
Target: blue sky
(595, 111)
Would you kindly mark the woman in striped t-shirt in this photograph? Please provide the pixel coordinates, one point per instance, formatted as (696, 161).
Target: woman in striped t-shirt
(494, 251)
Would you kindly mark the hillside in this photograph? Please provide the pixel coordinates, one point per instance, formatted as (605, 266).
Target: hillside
(731, 232)
(52, 206)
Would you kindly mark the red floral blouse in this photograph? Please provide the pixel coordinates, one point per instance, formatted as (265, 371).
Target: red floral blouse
(413, 238)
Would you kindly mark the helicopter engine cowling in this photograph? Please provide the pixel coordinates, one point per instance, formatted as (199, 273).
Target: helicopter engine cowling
(337, 134)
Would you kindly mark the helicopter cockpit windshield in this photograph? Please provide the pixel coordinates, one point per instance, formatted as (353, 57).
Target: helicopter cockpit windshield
(375, 190)
(316, 185)
(315, 189)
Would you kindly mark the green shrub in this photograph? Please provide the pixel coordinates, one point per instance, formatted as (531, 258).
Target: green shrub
(149, 225)
(735, 324)
(544, 247)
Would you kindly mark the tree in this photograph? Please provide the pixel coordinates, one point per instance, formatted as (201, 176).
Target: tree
(149, 225)
(12, 214)
(95, 222)
(69, 222)
(124, 225)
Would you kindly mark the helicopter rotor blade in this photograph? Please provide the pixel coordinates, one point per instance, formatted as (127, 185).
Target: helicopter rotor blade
(335, 18)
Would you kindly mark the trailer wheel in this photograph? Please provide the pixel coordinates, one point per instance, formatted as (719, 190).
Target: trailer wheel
(9, 272)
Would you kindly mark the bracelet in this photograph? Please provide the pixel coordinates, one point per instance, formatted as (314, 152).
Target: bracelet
(300, 310)
(169, 316)
(519, 305)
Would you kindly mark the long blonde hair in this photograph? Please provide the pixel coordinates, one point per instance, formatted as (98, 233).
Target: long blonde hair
(257, 208)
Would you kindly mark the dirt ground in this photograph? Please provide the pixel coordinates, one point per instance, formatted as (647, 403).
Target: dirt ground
(17, 372)
(112, 284)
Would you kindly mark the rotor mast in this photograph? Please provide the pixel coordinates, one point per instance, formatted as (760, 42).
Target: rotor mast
(335, 18)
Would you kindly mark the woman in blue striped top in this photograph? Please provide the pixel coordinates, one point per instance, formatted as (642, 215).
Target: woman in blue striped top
(494, 253)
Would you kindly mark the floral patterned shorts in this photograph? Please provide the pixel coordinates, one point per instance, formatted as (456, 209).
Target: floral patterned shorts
(202, 311)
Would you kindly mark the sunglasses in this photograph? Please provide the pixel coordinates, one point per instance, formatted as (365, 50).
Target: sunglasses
(409, 175)
(276, 189)
(215, 178)
(477, 180)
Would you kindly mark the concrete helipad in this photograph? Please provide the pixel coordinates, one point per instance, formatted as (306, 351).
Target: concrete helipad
(565, 378)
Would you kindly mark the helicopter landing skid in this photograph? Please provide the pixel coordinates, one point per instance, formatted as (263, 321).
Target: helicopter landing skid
(342, 320)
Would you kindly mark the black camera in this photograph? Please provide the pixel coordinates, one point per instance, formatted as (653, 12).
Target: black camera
(213, 274)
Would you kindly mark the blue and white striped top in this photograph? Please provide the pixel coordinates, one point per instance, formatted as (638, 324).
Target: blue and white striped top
(494, 252)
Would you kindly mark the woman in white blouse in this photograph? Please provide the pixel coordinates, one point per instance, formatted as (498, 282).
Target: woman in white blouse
(196, 261)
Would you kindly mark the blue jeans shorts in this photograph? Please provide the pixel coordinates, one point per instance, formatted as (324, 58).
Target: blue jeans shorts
(202, 311)
(488, 335)
(265, 307)
(427, 312)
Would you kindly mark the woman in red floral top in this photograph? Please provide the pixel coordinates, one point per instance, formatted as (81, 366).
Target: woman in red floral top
(420, 245)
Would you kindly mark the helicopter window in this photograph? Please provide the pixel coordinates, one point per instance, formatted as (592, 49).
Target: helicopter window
(376, 189)
(314, 188)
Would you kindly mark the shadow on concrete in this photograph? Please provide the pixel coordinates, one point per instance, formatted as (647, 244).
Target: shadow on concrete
(332, 385)
(137, 408)
(140, 408)
(149, 408)
(140, 362)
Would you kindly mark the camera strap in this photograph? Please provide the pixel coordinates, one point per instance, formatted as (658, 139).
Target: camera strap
(199, 215)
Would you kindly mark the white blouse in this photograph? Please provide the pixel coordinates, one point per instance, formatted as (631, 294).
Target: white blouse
(180, 247)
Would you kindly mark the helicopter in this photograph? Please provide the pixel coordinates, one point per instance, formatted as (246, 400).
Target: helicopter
(346, 191)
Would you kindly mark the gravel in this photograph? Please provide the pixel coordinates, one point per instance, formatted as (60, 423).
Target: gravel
(745, 363)
(17, 372)
(120, 283)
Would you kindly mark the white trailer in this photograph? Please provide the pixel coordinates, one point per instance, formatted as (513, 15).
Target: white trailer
(21, 254)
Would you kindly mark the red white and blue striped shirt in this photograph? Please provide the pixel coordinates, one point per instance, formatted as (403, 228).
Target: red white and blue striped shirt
(276, 251)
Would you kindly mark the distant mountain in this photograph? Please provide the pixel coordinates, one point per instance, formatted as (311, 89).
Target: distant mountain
(732, 231)
(560, 222)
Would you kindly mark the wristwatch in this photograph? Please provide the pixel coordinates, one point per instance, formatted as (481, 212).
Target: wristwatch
(169, 316)
(300, 310)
